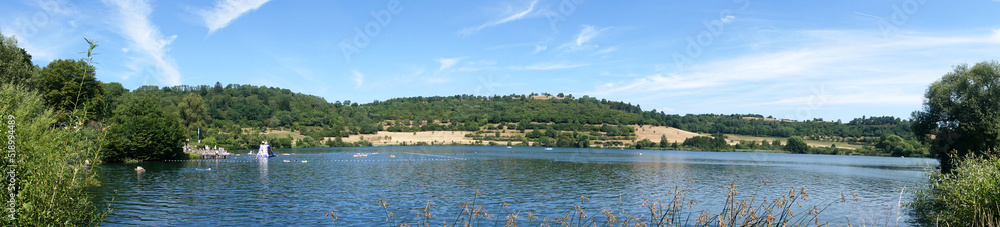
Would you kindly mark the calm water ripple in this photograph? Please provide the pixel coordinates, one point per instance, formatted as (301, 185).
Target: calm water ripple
(272, 192)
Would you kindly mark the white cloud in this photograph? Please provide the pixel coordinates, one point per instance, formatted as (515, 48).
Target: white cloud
(39, 53)
(225, 11)
(436, 80)
(359, 79)
(728, 19)
(473, 69)
(48, 30)
(448, 62)
(606, 50)
(539, 49)
(851, 67)
(587, 33)
(547, 66)
(145, 38)
(513, 16)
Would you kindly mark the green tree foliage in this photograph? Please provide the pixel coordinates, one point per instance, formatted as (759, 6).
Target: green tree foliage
(715, 143)
(15, 64)
(141, 131)
(644, 144)
(69, 84)
(113, 93)
(50, 174)
(896, 146)
(308, 142)
(796, 144)
(961, 112)
(193, 112)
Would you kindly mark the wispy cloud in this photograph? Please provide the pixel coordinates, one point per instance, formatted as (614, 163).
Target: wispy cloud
(145, 38)
(587, 33)
(359, 79)
(547, 66)
(852, 67)
(606, 50)
(473, 69)
(448, 62)
(511, 16)
(539, 49)
(728, 19)
(225, 11)
(48, 30)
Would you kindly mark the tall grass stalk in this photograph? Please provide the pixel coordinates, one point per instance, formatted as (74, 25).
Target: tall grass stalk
(51, 164)
(678, 210)
(969, 196)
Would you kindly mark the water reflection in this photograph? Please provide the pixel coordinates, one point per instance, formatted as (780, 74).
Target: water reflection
(262, 162)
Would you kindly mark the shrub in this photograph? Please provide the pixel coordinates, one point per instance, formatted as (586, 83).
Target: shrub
(970, 195)
(50, 175)
(140, 130)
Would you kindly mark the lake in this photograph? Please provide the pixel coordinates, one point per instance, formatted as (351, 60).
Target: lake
(272, 192)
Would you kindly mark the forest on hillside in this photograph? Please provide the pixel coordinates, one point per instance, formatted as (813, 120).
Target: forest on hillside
(231, 109)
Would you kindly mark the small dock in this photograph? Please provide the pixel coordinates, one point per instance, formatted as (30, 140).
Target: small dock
(210, 154)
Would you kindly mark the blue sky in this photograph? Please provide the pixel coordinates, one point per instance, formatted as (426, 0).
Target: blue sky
(790, 59)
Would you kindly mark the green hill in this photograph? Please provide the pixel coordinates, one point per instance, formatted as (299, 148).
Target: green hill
(235, 110)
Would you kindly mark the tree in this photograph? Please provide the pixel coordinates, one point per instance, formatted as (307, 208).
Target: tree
(663, 141)
(644, 144)
(68, 84)
(796, 144)
(114, 92)
(894, 145)
(141, 131)
(193, 112)
(961, 113)
(15, 64)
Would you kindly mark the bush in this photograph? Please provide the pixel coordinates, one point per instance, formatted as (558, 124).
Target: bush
(50, 175)
(969, 196)
(140, 130)
(796, 144)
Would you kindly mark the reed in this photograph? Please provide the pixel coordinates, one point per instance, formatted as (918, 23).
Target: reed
(969, 196)
(678, 209)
